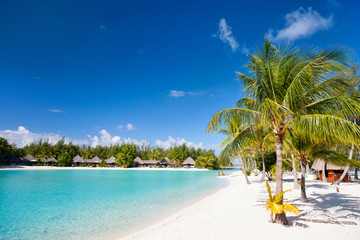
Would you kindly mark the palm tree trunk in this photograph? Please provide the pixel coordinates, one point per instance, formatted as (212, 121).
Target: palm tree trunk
(307, 169)
(303, 190)
(296, 185)
(279, 218)
(346, 168)
(324, 172)
(244, 171)
(356, 174)
(263, 166)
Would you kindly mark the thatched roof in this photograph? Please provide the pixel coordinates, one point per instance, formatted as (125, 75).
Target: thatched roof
(110, 160)
(138, 161)
(150, 162)
(29, 158)
(95, 159)
(78, 159)
(165, 161)
(319, 165)
(49, 160)
(189, 160)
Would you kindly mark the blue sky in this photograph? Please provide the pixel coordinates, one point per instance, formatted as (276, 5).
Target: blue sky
(101, 72)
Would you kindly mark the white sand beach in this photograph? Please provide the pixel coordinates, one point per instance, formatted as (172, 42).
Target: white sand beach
(22, 167)
(238, 212)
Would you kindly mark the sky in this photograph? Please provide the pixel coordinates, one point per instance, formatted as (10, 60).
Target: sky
(107, 72)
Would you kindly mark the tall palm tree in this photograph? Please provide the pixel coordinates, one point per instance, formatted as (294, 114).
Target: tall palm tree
(232, 148)
(290, 87)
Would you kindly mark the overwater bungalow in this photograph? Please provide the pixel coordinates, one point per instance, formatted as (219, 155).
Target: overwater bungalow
(94, 161)
(332, 172)
(165, 162)
(77, 160)
(50, 160)
(29, 160)
(138, 162)
(150, 163)
(111, 161)
(189, 162)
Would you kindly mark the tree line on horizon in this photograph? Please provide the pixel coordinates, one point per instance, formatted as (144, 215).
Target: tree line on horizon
(124, 153)
(300, 104)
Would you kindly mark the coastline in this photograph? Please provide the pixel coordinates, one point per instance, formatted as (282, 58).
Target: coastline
(21, 167)
(238, 212)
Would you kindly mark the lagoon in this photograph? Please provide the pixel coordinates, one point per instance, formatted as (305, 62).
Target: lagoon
(79, 204)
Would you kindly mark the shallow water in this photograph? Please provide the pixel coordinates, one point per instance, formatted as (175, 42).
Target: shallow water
(79, 204)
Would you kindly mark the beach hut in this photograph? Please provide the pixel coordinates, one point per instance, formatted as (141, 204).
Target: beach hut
(29, 160)
(77, 160)
(150, 163)
(189, 162)
(138, 162)
(50, 161)
(165, 162)
(94, 161)
(332, 172)
(111, 161)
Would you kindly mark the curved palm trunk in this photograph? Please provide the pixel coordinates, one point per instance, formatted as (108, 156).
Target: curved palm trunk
(296, 185)
(324, 173)
(279, 218)
(244, 171)
(263, 165)
(303, 190)
(346, 168)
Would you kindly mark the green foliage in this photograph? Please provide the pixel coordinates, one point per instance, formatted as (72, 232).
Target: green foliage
(269, 159)
(102, 164)
(5, 148)
(248, 172)
(208, 161)
(64, 159)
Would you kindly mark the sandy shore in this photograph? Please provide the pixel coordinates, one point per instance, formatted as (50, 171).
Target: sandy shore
(238, 212)
(20, 167)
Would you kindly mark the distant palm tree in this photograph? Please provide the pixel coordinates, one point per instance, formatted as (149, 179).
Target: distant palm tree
(288, 87)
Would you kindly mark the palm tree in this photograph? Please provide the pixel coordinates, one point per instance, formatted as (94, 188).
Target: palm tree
(233, 148)
(290, 87)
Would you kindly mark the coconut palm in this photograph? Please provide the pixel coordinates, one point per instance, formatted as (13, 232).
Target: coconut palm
(233, 148)
(290, 87)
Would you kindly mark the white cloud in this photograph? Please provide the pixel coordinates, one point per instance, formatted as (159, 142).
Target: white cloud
(130, 127)
(225, 35)
(244, 49)
(22, 137)
(103, 27)
(178, 141)
(56, 110)
(106, 139)
(300, 24)
(176, 94)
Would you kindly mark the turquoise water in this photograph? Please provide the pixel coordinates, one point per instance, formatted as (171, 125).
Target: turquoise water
(80, 204)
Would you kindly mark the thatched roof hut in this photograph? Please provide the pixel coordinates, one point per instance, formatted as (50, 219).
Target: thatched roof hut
(78, 159)
(318, 165)
(94, 160)
(332, 172)
(189, 161)
(49, 160)
(111, 160)
(29, 158)
(138, 161)
(150, 162)
(165, 160)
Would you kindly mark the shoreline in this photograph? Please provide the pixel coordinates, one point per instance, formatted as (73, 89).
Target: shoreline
(238, 212)
(21, 167)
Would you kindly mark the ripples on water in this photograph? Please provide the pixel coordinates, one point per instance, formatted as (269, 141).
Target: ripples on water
(80, 204)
